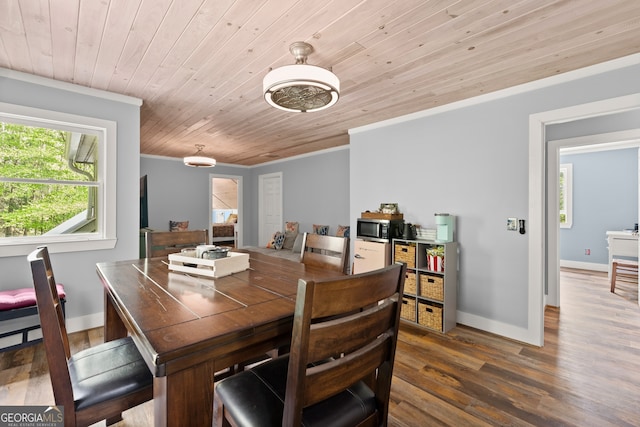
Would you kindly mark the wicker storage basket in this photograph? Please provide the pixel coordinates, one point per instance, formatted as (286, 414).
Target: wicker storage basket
(408, 309)
(430, 315)
(410, 283)
(406, 253)
(431, 286)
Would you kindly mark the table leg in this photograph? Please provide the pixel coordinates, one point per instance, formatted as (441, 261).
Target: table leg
(113, 329)
(113, 325)
(184, 398)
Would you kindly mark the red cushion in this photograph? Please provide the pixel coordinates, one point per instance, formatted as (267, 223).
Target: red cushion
(25, 297)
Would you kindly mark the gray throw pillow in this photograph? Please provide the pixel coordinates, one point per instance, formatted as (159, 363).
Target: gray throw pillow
(289, 240)
(297, 245)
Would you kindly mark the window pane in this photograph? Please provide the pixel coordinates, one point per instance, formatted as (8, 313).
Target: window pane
(564, 192)
(40, 153)
(32, 160)
(41, 209)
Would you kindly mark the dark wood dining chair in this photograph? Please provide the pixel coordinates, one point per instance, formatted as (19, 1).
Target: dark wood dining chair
(97, 383)
(325, 251)
(339, 370)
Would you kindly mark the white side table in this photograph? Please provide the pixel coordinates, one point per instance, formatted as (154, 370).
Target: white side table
(621, 243)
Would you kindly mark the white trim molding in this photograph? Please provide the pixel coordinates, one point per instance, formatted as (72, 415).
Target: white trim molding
(538, 261)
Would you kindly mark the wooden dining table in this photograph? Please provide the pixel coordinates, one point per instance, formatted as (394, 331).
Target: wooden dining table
(189, 327)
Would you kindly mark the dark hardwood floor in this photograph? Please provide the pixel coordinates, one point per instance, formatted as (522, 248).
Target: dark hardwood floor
(587, 374)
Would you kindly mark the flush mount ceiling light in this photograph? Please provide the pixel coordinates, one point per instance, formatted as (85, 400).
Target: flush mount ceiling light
(301, 88)
(199, 161)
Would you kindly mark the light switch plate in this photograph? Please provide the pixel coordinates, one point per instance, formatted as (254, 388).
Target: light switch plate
(512, 224)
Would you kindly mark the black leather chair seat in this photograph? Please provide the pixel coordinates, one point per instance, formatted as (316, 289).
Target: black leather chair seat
(256, 398)
(108, 370)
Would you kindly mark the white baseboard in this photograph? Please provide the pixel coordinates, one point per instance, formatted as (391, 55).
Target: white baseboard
(74, 324)
(495, 327)
(584, 265)
(514, 332)
(83, 323)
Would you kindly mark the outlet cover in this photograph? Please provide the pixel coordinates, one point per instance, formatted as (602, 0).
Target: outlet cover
(512, 224)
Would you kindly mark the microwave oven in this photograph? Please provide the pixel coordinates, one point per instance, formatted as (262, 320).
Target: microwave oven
(379, 230)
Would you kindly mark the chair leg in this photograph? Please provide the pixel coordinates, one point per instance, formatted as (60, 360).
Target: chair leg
(219, 420)
(614, 270)
(114, 419)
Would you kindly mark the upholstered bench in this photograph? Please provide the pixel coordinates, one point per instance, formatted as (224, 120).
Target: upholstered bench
(16, 303)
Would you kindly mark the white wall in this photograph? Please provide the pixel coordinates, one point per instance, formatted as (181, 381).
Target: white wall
(471, 160)
(77, 270)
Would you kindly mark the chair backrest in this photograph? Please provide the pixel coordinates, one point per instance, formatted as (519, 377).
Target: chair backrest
(163, 243)
(352, 321)
(54, 331)
(325, 251)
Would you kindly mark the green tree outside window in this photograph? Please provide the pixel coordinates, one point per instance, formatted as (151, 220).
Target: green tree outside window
(47, 181)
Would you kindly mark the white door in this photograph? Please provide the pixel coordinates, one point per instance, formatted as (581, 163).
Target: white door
(270, 217)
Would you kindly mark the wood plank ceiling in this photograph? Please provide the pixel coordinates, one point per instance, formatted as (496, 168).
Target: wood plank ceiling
(198, 65)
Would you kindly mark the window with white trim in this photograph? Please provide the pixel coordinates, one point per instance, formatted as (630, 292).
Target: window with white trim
(57, 181)
(565, 180)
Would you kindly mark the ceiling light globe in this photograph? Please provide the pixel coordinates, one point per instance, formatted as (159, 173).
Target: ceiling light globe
(199, 161)
(301, 88)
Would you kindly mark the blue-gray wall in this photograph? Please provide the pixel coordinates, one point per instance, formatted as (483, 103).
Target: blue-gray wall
(181, 193)
(472, 162)
(77, 270)
(315, 191)
(605, 197)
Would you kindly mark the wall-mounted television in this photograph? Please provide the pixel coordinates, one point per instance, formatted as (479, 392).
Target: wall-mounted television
(144, 208)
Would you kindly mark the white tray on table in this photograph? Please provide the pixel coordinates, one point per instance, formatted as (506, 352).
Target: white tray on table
(233, 263)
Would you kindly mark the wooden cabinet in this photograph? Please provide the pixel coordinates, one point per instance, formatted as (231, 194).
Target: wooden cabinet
(368, 256)
(430, 286)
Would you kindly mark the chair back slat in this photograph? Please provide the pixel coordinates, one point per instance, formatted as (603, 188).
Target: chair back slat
(344, 330)
(52, 322)
(342, 372)
(325, 251)
(163, 243)
(347, 334)
(345, 294)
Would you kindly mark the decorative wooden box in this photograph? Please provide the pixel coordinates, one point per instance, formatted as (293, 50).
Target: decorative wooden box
(233, 263)
(378, 215)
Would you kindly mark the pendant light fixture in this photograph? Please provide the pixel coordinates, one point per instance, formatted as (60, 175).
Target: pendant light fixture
(301, 88)
(198, 160)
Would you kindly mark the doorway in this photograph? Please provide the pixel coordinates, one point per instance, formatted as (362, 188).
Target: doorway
(540, 263)
(225, 216)
(591, 143)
